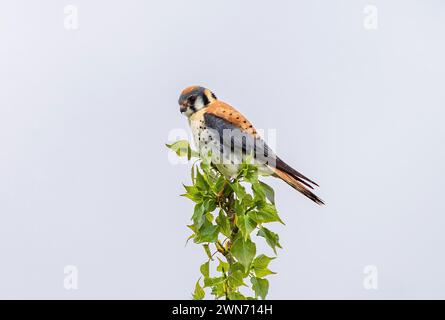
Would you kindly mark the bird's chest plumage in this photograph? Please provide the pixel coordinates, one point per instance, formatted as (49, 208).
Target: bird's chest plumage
(204, 139)
(208, 141)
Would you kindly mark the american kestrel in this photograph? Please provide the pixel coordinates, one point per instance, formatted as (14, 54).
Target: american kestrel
(222, 132)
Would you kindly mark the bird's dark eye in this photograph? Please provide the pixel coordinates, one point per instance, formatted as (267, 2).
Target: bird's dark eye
(192, 99)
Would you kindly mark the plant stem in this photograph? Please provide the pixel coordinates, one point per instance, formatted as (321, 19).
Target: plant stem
(231, 215)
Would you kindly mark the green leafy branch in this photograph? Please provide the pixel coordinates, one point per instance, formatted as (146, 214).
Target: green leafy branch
(225, 215)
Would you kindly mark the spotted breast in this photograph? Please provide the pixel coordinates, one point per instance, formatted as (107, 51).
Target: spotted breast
(208, 141)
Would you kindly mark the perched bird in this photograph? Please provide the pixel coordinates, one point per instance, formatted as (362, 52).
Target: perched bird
(222, 132)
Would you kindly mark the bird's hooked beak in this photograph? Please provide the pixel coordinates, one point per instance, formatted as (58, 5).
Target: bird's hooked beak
(183, 107)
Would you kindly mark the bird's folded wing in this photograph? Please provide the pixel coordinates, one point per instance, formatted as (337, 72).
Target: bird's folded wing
(236, 132)
(231, 116)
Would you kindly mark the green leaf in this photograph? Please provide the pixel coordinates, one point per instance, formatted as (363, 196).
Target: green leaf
(192, 193)
(210, 205)
(239, 190)
(236, 296)
(218, 290)
(189, 238)
(191, 197)
(267, 213)
(235, 279)
(260, 273)
(182, 149)
(224, 224)
(219, 184)
(207, 233)
(270, 193)
(189, 153)
(223, 266)
(179, 146)
(201, 182)
(192, 172)
(260, 266)
(260, 286)
(191, 189)
(245, 224)
(202, 211)
(205, 269)
(207, 251)
(198, 215)
(251, 173)
(259, 203)
(272, 238)
(244, 251)
(239, 267)
(238, 207)
(199, 293)
(262, 261)
(211, 177)
(209, 282)
(258, 192)
(247, 201)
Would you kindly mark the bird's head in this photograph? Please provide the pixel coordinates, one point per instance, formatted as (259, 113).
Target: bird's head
(194, 98)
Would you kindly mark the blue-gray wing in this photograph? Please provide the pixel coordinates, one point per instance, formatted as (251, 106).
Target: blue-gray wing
(242, 143)
(239, 142)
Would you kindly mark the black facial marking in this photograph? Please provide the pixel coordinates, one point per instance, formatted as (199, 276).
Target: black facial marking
(192, 99)
(205, 100)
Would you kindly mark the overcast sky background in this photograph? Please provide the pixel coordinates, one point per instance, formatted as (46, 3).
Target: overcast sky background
(84, 114)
